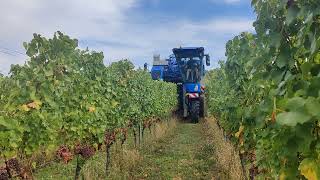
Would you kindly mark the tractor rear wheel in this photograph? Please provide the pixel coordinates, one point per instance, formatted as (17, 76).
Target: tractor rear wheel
(195, 111)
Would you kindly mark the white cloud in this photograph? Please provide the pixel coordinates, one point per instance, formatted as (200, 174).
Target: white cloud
(229, 1)
(44, 16)
(223, 25)
(232, 25)
(232, 1)
(106, 25)
(78, 18)
(6, 60)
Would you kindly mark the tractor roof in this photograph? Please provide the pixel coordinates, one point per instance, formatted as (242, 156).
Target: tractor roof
(184, 52)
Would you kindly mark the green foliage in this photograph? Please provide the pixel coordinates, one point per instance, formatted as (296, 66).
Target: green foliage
(266, 94)
(65, 95)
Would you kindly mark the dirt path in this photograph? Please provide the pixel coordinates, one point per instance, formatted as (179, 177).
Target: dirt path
(186, 153)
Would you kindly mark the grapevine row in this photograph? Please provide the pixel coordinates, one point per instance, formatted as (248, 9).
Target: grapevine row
(64, 98)
(266, 94)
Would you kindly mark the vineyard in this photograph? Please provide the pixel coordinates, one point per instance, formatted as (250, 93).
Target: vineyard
(64, 100)
(66, 104)
(266, 94)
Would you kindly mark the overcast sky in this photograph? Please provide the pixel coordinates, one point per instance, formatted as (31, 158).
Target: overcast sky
(133, 29)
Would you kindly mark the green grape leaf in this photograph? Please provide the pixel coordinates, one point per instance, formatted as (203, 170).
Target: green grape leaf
(292, 14)
(313, 47)
(282, 60)
(313, 106)
(305, 68)
(277, 75)
(295, 103)
(292, 118)
(10, 124)
(275, 39)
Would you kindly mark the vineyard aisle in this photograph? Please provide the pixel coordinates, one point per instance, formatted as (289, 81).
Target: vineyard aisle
(185, 151)
(188, 152)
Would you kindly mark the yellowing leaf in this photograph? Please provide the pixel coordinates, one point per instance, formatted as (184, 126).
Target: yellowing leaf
(36, 104)
(241, 141)
(34, 165)
(56, 82)
(309, 169)
(92, 109)
(237, 134)
(25, 108)
(114, 104)
(282, 176)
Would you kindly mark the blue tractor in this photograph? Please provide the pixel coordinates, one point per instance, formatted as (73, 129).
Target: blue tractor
(186, 68)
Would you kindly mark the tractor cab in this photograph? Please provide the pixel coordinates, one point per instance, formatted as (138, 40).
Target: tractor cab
(191, 63)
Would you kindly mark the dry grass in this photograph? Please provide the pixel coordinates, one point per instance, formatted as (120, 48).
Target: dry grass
(123, 162)
(226, 156)
(161, 129)
(126, 157)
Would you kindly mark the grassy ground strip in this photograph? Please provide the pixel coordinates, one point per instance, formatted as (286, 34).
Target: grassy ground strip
(225, 154)
(169, 151)
(184, 154)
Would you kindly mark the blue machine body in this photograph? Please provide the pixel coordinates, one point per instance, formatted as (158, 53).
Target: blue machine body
(157, 72)
(186, 68)
(169, 72)
(192, 87)
(172, 71)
